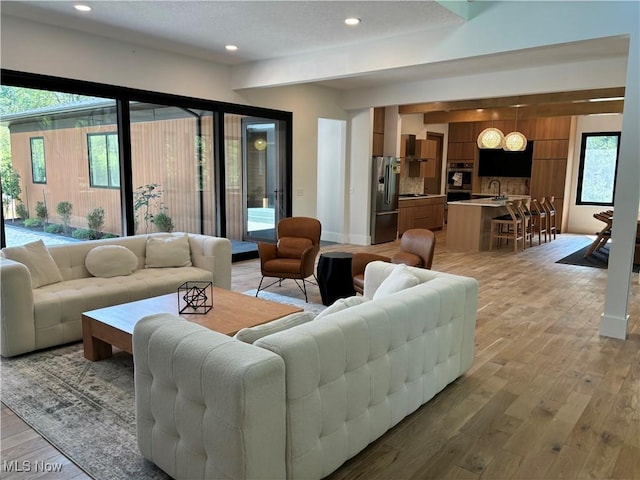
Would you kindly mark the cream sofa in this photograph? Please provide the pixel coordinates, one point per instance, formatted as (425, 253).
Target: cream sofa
(297, 404)
(35, 318)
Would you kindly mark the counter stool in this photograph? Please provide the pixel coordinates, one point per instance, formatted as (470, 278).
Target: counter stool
(550, 210)
(527, 226)
(539, 218)
(508, 227)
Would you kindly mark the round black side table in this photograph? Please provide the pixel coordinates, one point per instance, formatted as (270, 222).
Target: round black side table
(334, 276)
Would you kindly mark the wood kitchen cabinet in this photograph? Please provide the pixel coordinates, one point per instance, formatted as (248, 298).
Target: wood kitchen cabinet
(422, 212)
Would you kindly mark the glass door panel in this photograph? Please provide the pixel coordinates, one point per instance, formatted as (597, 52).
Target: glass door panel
(264, 189)
(60, 166)
(172, 163)
(256, 193)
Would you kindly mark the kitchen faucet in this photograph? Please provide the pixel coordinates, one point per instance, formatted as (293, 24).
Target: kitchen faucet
(495, 180)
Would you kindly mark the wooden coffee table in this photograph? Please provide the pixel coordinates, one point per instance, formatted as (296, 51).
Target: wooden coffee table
(232, 311)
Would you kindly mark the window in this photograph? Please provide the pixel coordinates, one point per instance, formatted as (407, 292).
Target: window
(104, 167)
(598, 165)
(38, 170)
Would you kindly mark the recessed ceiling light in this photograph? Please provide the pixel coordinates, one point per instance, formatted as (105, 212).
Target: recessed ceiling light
(231, 48)
(82, 8)
(352, 21)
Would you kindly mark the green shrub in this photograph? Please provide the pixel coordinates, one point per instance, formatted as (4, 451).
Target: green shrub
(63, 209)
(22, 211)
(95, 219)
(54, 228)
(163, 222)
(109, 235)
(84, 234)
(41, 212)
(32, 222)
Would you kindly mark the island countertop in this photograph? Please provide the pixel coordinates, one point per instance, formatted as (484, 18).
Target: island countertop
(489, 202)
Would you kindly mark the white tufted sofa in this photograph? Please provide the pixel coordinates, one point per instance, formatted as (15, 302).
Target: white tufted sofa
(299, 403)
(35, 318)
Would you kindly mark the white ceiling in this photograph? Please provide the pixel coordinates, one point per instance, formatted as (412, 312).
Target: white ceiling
(261, 29)
(272, 29)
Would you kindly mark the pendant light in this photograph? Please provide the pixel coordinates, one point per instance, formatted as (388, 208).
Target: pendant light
(490, 138)
(515, 141)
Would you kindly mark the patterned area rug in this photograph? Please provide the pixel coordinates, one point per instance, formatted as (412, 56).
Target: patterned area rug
(315, 308)
(86, 409)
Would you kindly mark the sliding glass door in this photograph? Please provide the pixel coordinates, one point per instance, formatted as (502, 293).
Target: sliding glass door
(257, 192)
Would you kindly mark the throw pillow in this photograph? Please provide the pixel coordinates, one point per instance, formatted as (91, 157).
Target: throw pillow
(111, 261)
(36, 257)
(251, 334)
(399, 279)
(342, 304)
(170, 251)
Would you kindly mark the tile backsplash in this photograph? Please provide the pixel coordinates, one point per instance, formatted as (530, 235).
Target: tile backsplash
(411, 185)
(509, 185)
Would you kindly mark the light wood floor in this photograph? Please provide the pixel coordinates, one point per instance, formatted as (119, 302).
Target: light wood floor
(546, 398)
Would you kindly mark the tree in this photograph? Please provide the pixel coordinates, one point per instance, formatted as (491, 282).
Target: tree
(64, 210)
(10, 184)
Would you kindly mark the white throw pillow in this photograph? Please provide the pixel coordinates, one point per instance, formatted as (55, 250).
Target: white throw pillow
(342, 304)
(38, 260)
(251, 334)
(172, 251)
(399, 279)
(111, 261)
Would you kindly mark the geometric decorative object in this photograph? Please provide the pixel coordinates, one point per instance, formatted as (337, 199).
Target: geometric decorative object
(490, 138)
(514, 142)
(195, 297)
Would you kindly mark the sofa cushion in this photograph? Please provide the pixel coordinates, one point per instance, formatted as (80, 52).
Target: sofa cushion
(341, 304)
(293, 247)
(251, 334)
(170, 251)
(36, 258)
(399, 279)
(111, 261)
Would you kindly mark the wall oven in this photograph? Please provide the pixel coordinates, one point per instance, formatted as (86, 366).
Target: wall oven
(459, 178)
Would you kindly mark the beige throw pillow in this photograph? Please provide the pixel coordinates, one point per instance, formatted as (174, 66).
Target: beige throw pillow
(251, 334)
(172, 251)
(399, 279)
(111, 261)
(342, 304)
(38, 260)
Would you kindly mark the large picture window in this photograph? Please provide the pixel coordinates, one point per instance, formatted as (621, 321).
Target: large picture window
(38, 170)
(598, 165)
(104, 167)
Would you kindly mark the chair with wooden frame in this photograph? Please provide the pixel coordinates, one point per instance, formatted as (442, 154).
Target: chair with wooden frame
(603, 236)
(550, 210)
(508, 227)
(539, 219)
(527, 227)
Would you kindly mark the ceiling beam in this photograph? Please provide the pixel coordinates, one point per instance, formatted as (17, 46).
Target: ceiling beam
(529, 111)
(556, 97)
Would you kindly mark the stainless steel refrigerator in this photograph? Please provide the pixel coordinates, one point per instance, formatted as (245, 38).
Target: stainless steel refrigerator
(384, 199)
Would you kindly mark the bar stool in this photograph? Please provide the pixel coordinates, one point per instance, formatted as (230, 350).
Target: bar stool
(527, 225)
(539, 217)
(550, 210)
(508, 227)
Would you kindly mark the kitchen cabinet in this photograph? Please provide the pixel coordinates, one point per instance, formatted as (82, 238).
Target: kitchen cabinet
(377, 149)
(421, 212)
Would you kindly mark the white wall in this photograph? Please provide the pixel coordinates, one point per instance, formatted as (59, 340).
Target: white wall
(580, 217)
(332, 174)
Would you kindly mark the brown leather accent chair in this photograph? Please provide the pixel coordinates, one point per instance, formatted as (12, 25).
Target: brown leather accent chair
(294, 255)
(416, 250)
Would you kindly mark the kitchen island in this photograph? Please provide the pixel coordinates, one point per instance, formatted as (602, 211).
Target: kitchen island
(469, 222)
(420, 211)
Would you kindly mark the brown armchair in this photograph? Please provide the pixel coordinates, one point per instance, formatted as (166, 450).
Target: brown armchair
(416, 250)
(294, 255)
